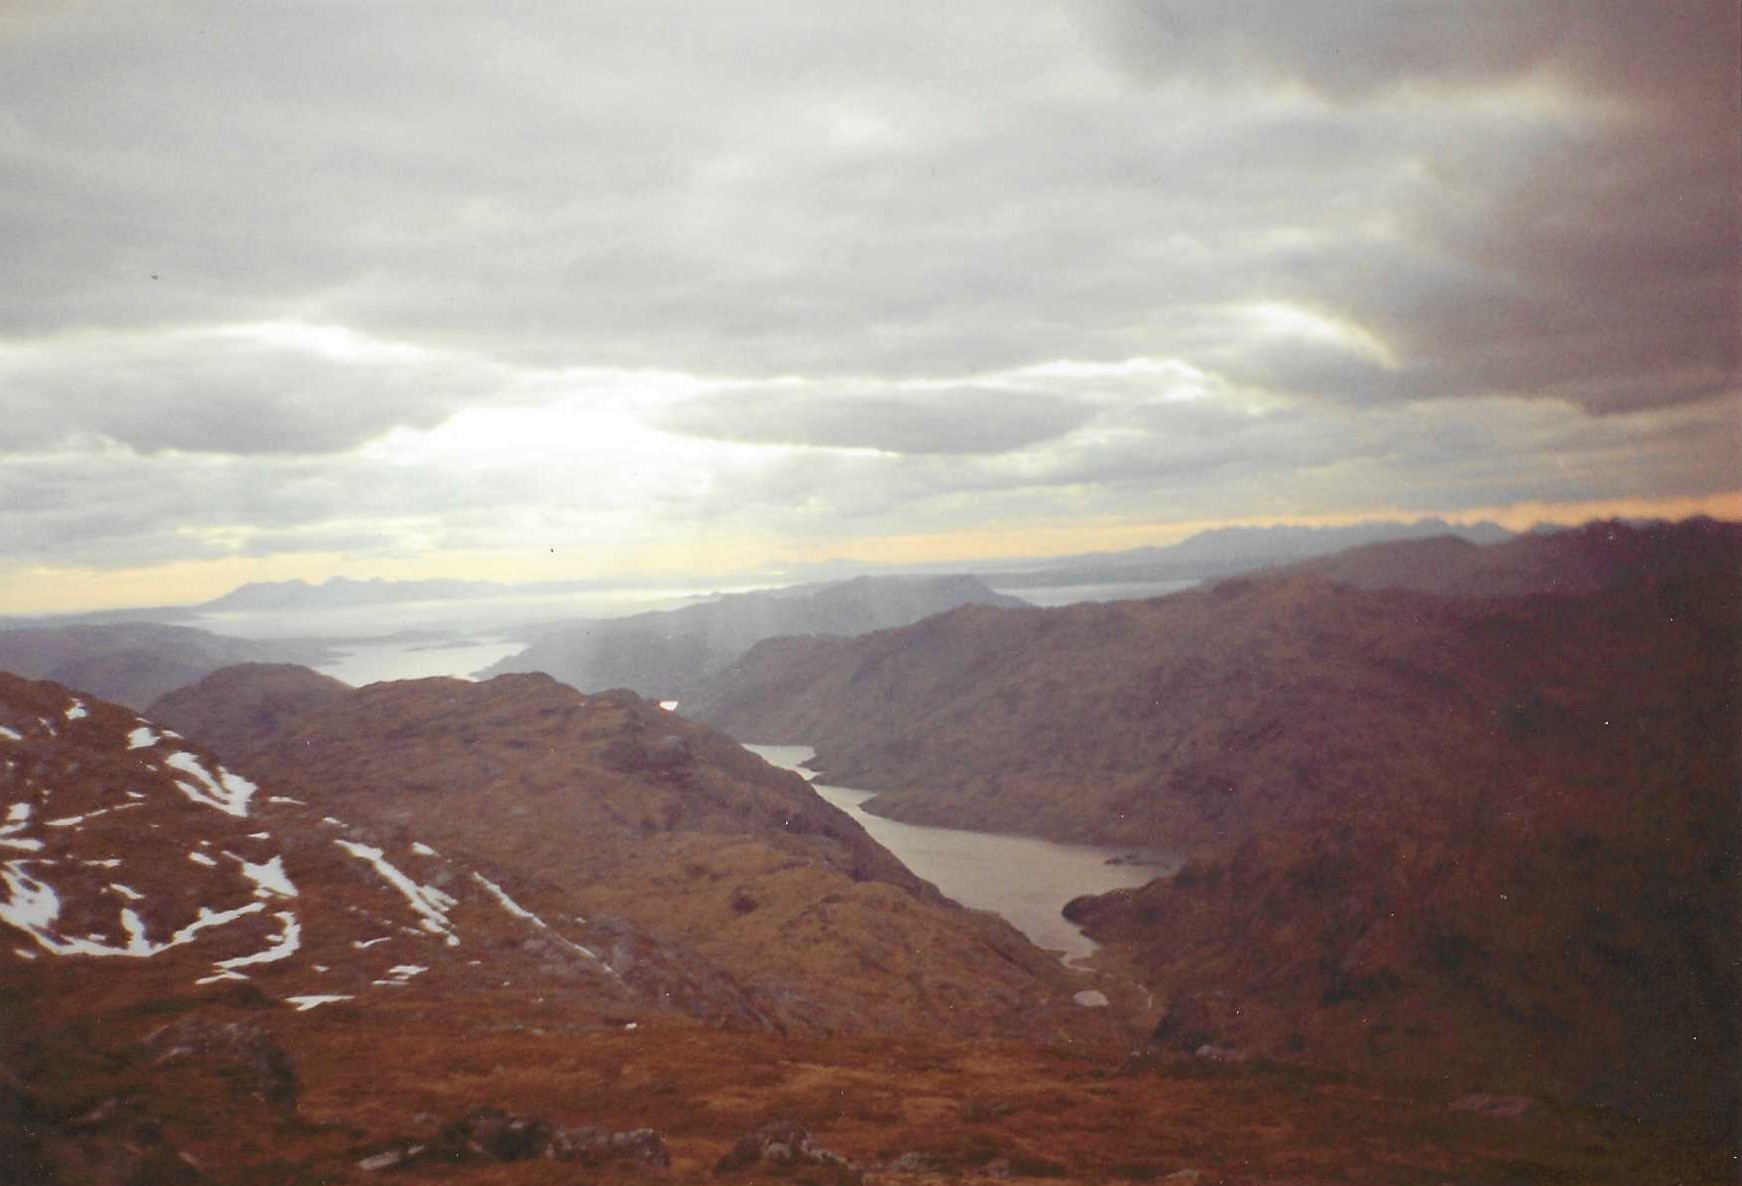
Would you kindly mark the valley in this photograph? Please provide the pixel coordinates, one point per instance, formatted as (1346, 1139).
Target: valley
(1352, 880)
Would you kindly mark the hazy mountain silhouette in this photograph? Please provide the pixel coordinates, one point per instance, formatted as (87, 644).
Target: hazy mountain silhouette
(666, 654)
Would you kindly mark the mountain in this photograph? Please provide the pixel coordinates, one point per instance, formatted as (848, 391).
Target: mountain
(1227, 551)
(342, 592)
(1472, 833)
(1596, 556)
(621, 809)
(665, 654)
(1260, 700)
(126, 844)
(133, 663)
(210, 979)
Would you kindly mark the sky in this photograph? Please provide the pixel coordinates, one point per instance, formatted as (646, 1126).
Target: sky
(635, 290)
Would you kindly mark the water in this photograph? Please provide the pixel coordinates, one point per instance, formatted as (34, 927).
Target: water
(1025, 879)
(1057, 595)
(372, 662)
(461, 636)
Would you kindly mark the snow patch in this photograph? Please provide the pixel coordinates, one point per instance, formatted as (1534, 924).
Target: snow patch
(227, 792)
(11, 734)
(366, 944)
(17, 820)
(270, 879)
(141, 738)
(431, 903)
(127, 891)
(519, 911)
(285, 799)
(284, 945)
(200, 858)
(423, 850)
(305, 1003)
(76, 711)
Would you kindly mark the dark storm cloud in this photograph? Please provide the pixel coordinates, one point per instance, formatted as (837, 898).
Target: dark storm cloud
(955, 419)
(1598, 265)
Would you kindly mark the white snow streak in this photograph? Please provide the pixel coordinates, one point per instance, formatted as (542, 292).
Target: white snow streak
(227, 792)
(516, 909)
(428, 901)
(305, 1003)
(284, 945)
(141, 737)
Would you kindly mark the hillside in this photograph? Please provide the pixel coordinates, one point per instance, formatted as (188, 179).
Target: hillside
(211, 980)
(133, 663)
(1495, 836)
(1582, 560)
(666, 654)
(620, 809)
(1258, 703)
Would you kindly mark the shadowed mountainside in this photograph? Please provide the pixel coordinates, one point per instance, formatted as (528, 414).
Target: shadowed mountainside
(1496, 836)
(666, 654)
(1597, 556)
(1258, 703)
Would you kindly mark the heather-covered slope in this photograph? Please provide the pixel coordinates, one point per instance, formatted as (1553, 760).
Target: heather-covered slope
(125, 845)
(234, 707)
(665, 654)
(1493, 837)
(619, 808)
(1507, 950)
(1259, 703)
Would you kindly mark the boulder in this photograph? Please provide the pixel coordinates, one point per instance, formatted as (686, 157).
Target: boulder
(495, 1134)
(786, 1143)
(598, 1146)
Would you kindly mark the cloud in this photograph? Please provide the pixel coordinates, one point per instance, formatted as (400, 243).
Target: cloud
(1585, 248)
(421, 277)
(272, 388)
(946, 419)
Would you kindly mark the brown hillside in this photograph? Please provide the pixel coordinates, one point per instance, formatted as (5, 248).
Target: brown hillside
(234, 707)
(1258, 704)
(615, 807)
(1596, 556)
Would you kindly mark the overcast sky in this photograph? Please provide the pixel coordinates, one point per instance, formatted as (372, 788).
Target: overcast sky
(594, 289)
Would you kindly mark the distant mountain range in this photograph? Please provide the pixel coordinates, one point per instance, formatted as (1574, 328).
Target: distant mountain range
(667, 654)
(1226, 551)
(133, 663)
